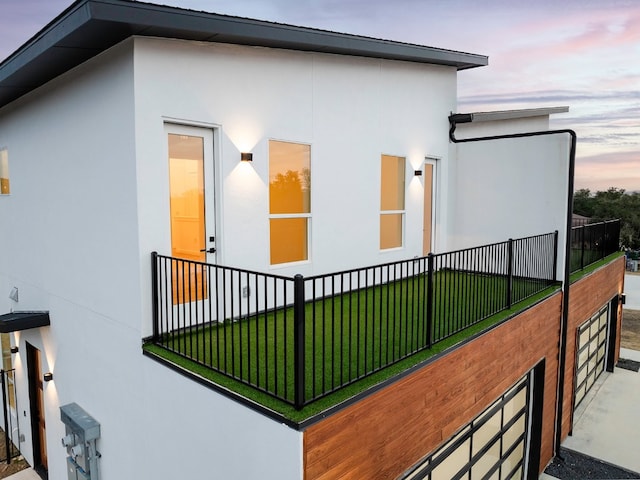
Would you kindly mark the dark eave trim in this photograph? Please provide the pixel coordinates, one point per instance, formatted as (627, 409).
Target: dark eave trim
(89, 27)
(499, 115)
(16, 321)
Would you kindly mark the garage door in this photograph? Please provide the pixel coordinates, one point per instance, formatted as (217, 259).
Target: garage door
(591, 352)
(493, 446)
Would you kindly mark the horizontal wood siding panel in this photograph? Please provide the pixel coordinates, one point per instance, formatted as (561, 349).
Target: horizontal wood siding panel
(384, 434)
(586, 297)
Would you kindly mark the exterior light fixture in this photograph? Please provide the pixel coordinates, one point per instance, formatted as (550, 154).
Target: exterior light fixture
(418, 173)
(246, 157)
(48, 377)
(13, 295)
(14, 350)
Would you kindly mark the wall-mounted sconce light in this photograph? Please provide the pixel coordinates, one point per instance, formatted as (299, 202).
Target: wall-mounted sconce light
(14, 350)
(48, 377)
(418, 173)
(13, 295)
(246, 157)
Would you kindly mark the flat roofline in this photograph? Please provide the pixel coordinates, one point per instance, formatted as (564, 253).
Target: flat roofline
(89, 27)
(512, 114)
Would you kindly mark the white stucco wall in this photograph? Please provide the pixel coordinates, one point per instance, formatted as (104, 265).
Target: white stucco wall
(350, 110)
(200, 433)
(73, 248)
(72, 202)
(508, 188)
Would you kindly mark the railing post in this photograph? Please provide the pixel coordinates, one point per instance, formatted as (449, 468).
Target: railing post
(154, 294)
(299, 341)
(604, 239)
(555, 255)
(510, 275)
(582, 229)
(429, 298)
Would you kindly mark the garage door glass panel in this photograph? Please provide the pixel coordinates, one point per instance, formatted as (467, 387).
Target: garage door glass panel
(513, 462)
(591, 347)
(453, 463)
(486, 432)
(515, 405)
(514, 434)
(486, 462)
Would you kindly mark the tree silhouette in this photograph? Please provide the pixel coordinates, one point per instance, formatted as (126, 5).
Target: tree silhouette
(611, 204)
(288, 193)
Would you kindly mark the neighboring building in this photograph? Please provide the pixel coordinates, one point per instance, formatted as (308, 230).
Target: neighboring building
(123, 127)
(578, 220)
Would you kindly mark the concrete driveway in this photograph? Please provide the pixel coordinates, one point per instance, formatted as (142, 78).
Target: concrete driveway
(632, 291)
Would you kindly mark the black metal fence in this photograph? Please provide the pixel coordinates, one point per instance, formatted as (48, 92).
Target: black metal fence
(299, 339)
(10, 427)
(590, 243)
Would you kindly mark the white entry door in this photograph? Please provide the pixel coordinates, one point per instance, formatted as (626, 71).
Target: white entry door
(428, 221)
(192, 194)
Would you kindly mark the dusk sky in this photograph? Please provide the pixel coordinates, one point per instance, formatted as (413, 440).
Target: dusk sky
(581, 53)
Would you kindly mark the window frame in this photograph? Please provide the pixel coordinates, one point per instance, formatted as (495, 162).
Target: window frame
(295, 215)
(401, 212)
(4, 159)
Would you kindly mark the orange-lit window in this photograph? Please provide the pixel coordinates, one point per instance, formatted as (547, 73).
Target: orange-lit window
(289, 201)
(392, 211)
(186, 189)
(4, 172)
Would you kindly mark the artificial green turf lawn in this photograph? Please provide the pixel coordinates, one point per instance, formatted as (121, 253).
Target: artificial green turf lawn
(347, 336)
(594, 266)
(350, 329)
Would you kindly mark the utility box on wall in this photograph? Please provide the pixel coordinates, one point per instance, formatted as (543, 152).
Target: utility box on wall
(81, 433)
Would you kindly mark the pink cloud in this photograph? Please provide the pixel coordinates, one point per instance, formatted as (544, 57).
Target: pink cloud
(599, 172)
(585, 43)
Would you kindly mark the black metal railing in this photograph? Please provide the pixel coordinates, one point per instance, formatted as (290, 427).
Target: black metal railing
(10, 423)
(299, 339)
(593, 242)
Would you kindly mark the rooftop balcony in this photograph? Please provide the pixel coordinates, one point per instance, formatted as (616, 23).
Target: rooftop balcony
(299, 340)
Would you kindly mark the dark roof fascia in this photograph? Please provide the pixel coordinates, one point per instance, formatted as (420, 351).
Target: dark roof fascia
(16, 321)
(89, 27)
(499, 115)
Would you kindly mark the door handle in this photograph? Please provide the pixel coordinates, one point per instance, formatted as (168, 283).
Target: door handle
(209, 250)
